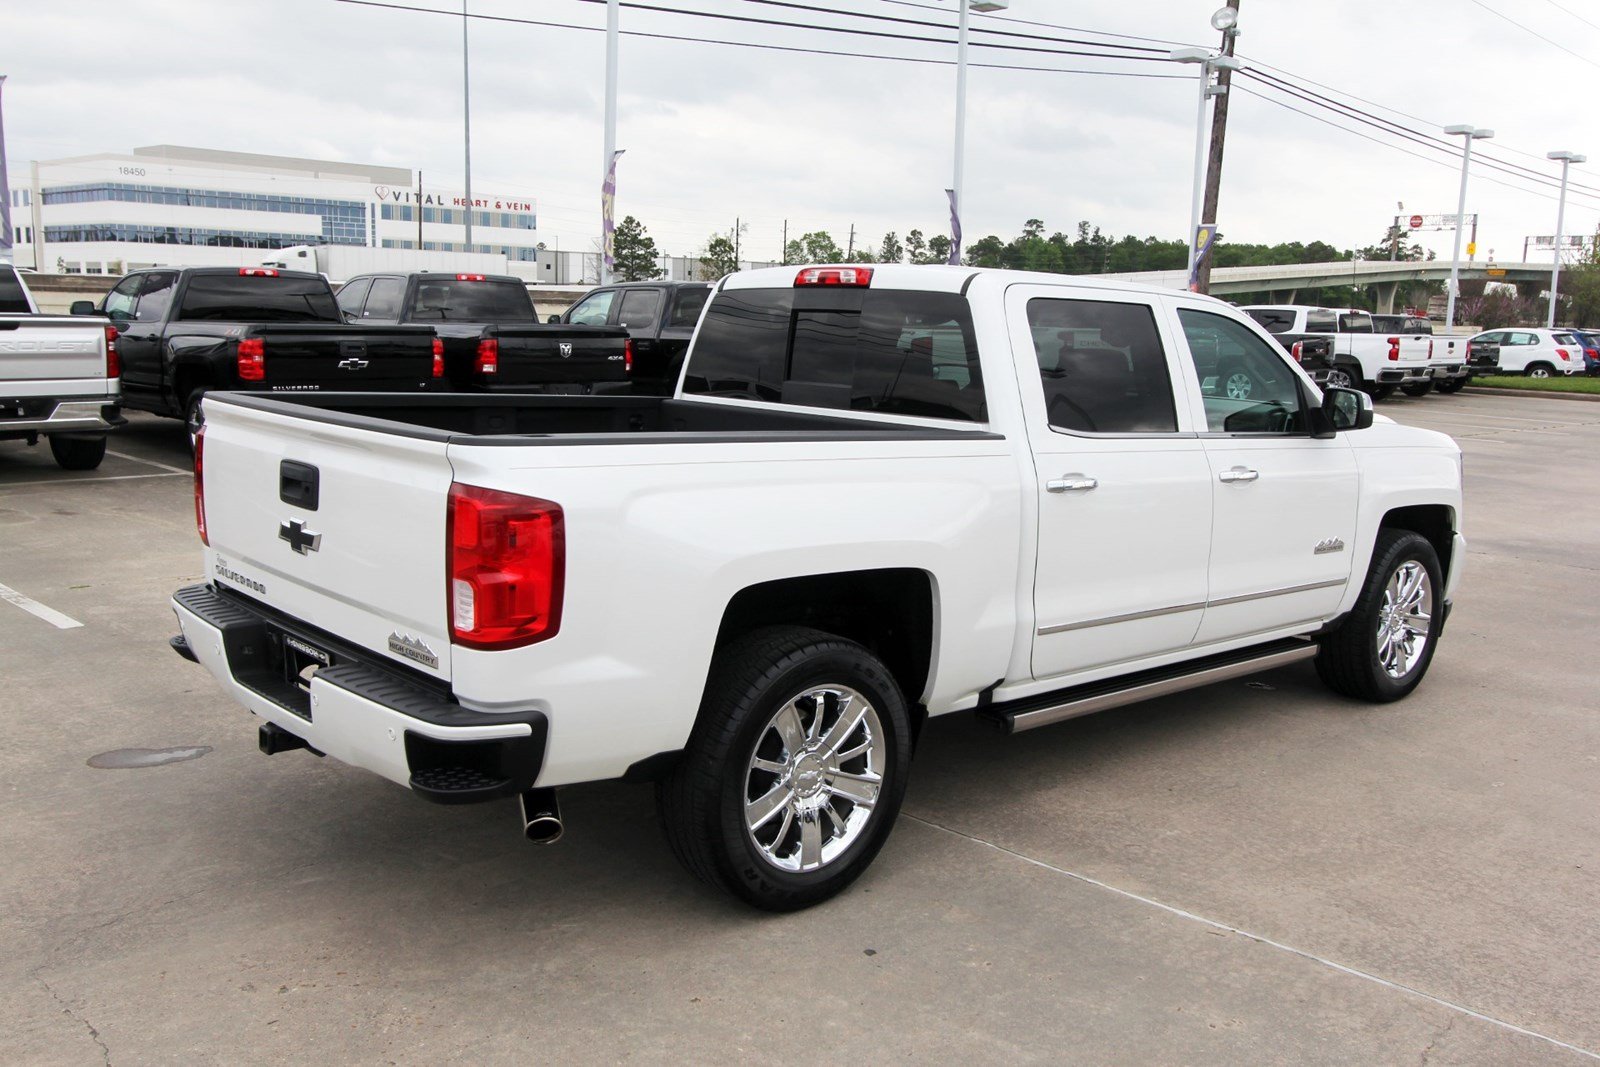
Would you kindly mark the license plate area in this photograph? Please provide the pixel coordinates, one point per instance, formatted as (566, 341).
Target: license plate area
(302, 660)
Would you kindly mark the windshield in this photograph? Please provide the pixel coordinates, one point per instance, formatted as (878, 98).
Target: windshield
(455, 300)
(258, 298)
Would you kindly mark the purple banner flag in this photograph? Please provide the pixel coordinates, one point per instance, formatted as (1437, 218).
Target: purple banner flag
(5, 189)
(608, 199)
(955, 230)
(1205, 235)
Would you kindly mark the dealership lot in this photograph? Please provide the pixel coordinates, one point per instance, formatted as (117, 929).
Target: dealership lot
(1255, 871)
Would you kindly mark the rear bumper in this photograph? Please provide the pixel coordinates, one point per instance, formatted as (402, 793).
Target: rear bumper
(358, 711)
(76, 415)
(1443, 372)
(1403, 375)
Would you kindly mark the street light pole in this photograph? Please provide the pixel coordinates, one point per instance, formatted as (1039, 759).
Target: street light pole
(1566, 158)
(1207, 62)
(1225, 19)
(611, 122)
(1471, 133)
(967, 6)
(466, 120)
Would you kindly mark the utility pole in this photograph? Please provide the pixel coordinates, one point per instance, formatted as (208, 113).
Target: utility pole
(850, 245)
(736, 242)
(785, 256)
(466, 119)
(418, 208)
(1394, 234)
(608, 155)
(1219, 130)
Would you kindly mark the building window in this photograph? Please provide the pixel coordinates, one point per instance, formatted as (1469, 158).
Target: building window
(173, 235)
(343, 221)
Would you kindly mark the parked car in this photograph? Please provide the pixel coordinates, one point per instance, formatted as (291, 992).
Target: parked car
(1536, 352)
(187, 331)
(59, 378)
(1447, 361)
(879, 494)
(492, 336)
(1362, 358)
(659, 316)
(1590, 340)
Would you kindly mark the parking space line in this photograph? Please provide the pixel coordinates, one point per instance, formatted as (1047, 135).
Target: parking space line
(81, 481)
(150, 462)
(1290, 949)
(33, 607)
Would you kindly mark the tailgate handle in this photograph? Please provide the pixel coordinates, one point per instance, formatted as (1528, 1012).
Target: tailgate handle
(352, 348)
(297, 484)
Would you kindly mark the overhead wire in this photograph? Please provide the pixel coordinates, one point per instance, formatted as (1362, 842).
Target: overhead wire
(1525, 29)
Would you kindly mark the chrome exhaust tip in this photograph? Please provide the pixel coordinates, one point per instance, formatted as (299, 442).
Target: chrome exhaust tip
(541, 816)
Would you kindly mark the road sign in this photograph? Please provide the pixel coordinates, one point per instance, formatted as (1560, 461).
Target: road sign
(1416, 222)
(1496, 272)
(1472, 248)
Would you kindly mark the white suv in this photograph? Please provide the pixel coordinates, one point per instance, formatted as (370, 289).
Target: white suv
(1535, 352)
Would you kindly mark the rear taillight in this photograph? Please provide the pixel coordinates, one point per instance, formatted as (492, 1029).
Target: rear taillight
(488, 356)
(1564, 354)
(506, 567)
(1430, 348)
(857, 276)
(257, 272)
(1394, 349)
(469, 277)
(200, 485)
(252, 359)
(1295, 350)
(438, 358)
(113, 358)
(627, 355)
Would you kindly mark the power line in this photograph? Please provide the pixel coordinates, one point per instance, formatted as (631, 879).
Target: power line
(1547, 40)
(1574, 14)
(1049, 25)
(778, 47)
(941, 26)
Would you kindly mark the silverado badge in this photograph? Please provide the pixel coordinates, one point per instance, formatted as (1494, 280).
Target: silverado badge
(300, 539)
(1326, 545)
(413, 648)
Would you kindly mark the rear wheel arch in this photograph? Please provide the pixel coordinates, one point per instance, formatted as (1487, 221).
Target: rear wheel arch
(890, 612)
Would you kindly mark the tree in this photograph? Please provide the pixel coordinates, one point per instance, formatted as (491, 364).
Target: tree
(891, 251)
(1580, 289)
(938, 249)
(916, 246)
(818, 247)
(718, 257)
(986, 252)
(636, 253)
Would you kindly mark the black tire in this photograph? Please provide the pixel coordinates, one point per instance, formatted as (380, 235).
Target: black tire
(1417, 388)
(704, 798)
(78, 453)
(1349, 660)
(1540, 370)
(193, 416)
(1380, 392)
(1450, 385)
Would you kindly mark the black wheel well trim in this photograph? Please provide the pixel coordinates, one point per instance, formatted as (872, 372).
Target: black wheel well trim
(888, 610)
(1436, 522)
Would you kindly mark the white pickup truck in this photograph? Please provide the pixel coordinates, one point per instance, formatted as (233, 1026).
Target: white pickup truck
(59, 378)
(878, 494)
(1363, 358)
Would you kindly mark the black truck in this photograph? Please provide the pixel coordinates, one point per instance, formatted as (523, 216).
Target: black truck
(185, 331)
(493, 340)
(660, 317)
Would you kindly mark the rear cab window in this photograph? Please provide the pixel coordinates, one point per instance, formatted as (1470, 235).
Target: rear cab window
(889, 351)
(1322, 321)
(1274, 320)
(258, 298)
(448, 299)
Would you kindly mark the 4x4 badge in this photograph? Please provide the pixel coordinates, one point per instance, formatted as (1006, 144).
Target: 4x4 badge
(300, 539)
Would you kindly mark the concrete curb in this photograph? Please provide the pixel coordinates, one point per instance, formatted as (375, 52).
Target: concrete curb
(1481, 390)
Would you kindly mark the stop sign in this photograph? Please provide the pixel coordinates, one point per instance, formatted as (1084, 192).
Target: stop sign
(1416, 222)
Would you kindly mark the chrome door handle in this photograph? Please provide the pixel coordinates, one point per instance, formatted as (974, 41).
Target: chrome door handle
(1071, 483)
(1239, 474)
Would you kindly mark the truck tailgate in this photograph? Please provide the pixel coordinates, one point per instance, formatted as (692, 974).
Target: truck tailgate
(338, 527)
(538, 355)
(51, 348)
(344, 358)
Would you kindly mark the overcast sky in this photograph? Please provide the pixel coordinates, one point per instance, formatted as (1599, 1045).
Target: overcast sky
(714, 132)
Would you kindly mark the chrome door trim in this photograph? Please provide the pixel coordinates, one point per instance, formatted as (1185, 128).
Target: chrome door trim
(1045, 631)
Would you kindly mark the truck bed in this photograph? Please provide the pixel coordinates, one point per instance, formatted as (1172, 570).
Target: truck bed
(525, 419)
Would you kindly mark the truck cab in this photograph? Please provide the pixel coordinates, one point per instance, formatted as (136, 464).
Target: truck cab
(660, 318)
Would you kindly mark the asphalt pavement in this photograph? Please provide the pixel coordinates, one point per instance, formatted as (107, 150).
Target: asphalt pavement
(1256, 872)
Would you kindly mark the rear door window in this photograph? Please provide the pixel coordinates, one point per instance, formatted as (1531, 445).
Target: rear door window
(1355, 322)
(891, 351)
(258, 298)
(1102, 366)
(639, 308)
(1322, 321)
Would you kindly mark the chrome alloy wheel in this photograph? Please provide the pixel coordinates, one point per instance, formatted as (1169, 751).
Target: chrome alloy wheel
(814, 777)
(1340, 378)
(1239, 386)
(1539, 372)
(1405, 621)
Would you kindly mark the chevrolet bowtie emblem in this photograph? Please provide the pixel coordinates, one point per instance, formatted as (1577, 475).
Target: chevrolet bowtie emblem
(300, 539)
(352, 364)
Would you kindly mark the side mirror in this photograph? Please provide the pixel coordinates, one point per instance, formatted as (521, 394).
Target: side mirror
(1346, 409)
(553, 319)
(83, 307)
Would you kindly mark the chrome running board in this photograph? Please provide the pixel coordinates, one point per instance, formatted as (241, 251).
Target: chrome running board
(1016, 716)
